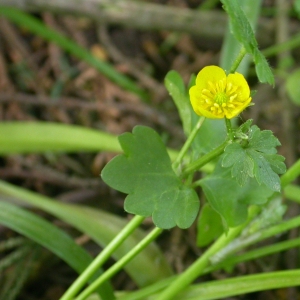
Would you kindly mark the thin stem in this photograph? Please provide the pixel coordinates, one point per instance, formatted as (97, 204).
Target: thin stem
(238, 60)
(188, 143)
(292, 43)
(292, 192)
(120, 264)
(229, 129)
(198, 267)
(254, 254)
(101, 258)
(254, 238)
(291, 174)
(197, 164)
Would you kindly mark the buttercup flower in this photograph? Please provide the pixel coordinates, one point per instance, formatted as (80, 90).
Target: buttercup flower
(217, 95)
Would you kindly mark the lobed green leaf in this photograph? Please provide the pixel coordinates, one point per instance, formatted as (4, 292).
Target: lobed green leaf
(263, 141)
(145, 173)
(255, 156)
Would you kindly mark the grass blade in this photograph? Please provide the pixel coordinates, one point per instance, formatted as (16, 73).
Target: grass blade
(49, 236)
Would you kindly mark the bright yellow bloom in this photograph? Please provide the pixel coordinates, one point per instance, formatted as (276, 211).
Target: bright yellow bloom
(217, 96)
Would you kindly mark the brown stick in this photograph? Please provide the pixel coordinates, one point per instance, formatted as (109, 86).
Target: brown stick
(209, 25)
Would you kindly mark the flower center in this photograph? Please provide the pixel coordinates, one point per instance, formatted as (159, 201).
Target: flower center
(221, 98)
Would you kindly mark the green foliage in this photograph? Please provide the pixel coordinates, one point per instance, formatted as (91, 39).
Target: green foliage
(229, 199)
(255, 157)
(36, 137)
(209, 226)
(57, 241)
(94, 223)
(271, 214)
(293, 87)
(297, 6)
(243, 32)
(145, 173)
(176, 88)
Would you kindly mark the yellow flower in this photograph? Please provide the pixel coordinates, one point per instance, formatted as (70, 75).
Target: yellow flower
(216, 95)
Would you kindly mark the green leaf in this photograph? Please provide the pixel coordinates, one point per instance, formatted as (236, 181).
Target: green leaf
(229, 199)
(145, 173)
(243, 32)
(242, 164)
(241, 285)
(255, 156)
(276, 162)
(263, 141)
(49, 236)
(263, 171)
(175, 86)
(231, 47)
(297, 7)
(240, 25)
(26, 137)
(39, 137)
(271, 214)
(211, 134)
(293, 87)
(263, 70)
(209, 226)
(102, 227)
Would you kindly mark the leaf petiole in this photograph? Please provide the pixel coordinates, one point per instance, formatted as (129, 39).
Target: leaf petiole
(101, 258)
(187, 144)
(120, 264)
(203, 160)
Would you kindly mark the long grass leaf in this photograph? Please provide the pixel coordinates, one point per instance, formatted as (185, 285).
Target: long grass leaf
(49, 236)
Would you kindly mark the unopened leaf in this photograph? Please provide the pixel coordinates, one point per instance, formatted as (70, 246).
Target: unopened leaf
(145, 173)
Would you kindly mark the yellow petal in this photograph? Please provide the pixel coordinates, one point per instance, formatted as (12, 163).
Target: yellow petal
(233, 113)
(243, 91)
(195, 97)
(208, 114)
(209, 73)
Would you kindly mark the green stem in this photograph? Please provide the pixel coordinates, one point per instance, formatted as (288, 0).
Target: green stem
(292, 192)
(254, 238)
(292, 43)
(254, 254)
(291, 174)
(198, 267)
(229, 129)
(238, 60)
(101, 258)
(197, 164)
(120, 264)
(188, 143)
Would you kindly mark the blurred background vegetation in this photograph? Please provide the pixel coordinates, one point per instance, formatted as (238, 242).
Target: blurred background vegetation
(100, 65)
